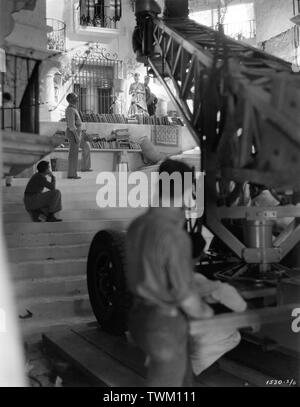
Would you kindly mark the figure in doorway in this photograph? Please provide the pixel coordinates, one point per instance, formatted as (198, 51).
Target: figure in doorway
(151, 99)
(138, 97)
(7, 123)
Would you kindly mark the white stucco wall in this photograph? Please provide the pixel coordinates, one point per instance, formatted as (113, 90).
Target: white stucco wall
(30, 28)
(196, 5)
(272, 18)
(237, 11)
(63, 10)
(122, 46)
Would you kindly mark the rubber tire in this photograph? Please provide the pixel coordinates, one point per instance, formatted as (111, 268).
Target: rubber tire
(112, 317)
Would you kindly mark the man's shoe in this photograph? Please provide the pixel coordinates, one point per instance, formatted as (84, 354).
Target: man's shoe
(36, 219)
(35, 216)
(52, 218)
(77, 177)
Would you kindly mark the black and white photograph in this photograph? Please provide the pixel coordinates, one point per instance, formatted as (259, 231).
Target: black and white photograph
(150, 197)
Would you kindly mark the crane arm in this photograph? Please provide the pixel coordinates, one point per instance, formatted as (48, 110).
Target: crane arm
(239, 103)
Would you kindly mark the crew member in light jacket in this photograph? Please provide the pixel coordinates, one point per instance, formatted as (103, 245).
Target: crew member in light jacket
(76, 139)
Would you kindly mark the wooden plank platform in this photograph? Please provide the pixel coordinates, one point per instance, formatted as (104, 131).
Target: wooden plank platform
(111, 361)
(84, 353)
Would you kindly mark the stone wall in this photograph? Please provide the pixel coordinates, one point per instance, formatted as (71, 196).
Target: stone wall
(30, 30)
(276, 34)
(272, 18)
(282, 46)
(196, 5)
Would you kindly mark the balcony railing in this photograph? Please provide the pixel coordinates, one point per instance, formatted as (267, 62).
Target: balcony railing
(242, 30)
(99, 16)
(56, 37)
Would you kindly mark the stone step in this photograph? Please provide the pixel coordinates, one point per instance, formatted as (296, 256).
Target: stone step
(63, 184)
(88, 192)
(48, 260)
(17, 197)
(68, 201)
(61, 176)
(65, 226)
(56, 286)
(81, 202)
(54, 308)
(16, 194)
(48, 268)
(62, 179)
(25, 254)
(52, 239)
(19, 190)
(67, 186)
(75, 214)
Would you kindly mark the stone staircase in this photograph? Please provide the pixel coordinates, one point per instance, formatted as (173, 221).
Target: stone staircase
(48, 260)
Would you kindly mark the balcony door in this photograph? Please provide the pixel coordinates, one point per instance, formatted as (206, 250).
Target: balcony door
(21, 83)
(29, 105)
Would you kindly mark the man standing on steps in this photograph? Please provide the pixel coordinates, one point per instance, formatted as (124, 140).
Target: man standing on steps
(74, 134)
(38, 202)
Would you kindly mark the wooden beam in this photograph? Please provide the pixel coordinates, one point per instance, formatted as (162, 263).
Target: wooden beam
(91, 360)
(235, 320)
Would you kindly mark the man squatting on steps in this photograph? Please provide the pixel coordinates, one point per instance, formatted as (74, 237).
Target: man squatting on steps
(38, 202)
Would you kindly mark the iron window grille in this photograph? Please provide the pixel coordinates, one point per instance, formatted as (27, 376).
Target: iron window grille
(94, 83)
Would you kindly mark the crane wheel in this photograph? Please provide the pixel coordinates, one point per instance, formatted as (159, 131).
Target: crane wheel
(109, 297)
